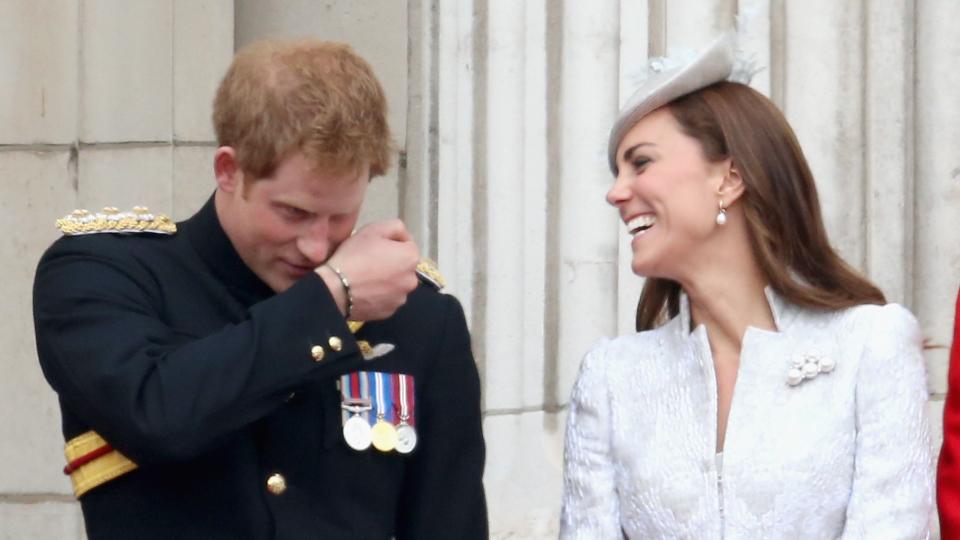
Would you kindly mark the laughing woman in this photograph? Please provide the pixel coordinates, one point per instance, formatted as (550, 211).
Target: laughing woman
(770, 391)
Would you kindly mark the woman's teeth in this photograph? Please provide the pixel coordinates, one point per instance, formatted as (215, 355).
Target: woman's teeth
(640, 224)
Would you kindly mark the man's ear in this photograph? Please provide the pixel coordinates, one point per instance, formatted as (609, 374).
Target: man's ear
(731, 186)
(227, 170)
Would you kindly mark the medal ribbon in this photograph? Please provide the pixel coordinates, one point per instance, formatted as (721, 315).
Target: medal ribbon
(346, 396)
(394, 399)
(364, 384)
(384, 398)
(403, 386)
(397, 402)
(355, 393)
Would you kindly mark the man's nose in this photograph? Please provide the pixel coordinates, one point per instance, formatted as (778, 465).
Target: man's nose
(314, 242)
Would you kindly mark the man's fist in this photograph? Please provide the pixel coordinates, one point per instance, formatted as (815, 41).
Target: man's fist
(380, 263)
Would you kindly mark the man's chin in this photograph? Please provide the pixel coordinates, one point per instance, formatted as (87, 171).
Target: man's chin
(285, 276)
(279, 281)
(285, 282)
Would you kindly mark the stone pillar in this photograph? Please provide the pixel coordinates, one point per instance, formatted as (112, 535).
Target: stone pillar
(936, 190)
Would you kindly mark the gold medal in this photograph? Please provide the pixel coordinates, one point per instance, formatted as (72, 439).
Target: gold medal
(384, 436)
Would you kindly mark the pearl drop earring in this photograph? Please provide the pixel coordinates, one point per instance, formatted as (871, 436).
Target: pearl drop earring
(722, 215)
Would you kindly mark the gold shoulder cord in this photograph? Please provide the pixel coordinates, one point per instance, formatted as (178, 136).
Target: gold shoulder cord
(112, 220)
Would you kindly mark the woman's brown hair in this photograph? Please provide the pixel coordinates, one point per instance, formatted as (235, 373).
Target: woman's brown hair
(780, 203)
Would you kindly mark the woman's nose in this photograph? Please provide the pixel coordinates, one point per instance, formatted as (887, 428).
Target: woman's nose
(619, 192)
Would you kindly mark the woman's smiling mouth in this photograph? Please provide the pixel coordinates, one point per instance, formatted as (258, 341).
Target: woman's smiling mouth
(640, 224)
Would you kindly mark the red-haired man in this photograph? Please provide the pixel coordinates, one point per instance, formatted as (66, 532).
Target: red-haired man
(210, 383)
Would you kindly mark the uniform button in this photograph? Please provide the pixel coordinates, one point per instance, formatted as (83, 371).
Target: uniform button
(276, 484)
(317, 353)
(335, 344)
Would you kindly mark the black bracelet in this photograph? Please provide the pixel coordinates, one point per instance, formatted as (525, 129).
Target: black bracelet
(346, 287)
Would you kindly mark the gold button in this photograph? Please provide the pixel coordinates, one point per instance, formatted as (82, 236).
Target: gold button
(317, 353)
(276, 484)
(335, 344)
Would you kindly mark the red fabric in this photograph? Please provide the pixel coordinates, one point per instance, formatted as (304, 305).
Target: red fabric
(948, 469)
(86, 458)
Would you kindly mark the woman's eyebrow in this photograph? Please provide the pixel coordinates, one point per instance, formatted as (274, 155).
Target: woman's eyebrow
(628, 153)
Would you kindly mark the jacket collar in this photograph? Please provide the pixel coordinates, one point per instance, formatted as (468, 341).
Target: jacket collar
(782, 309)
(210, 241)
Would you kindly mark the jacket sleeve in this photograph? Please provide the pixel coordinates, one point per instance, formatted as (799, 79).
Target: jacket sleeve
(157, 393)
(442, 495)
(892, 494)
(948, 469)
(590, 505)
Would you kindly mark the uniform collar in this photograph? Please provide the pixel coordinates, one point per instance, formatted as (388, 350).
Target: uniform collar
(783, 311)
(212, 244)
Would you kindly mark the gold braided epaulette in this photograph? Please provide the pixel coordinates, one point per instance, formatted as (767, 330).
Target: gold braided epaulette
(111, 220)
(427, 271)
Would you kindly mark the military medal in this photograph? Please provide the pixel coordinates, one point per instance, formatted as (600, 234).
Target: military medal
(378, 410)
(406, 434)
(406, 438)
(383, 433)
(384, 436)
(357, 433)
(355, 393)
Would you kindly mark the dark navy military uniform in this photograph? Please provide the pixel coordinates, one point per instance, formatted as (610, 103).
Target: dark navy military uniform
(174, 352)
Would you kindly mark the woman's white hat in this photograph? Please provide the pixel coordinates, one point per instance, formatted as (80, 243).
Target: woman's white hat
(669, 78)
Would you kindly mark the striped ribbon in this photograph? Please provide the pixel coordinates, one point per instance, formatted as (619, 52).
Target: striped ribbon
(390, 394)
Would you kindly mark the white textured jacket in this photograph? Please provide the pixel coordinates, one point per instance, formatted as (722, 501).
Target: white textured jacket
(843, 453)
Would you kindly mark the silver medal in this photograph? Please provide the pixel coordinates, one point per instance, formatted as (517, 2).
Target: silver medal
(356, 431)
(406, 438)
